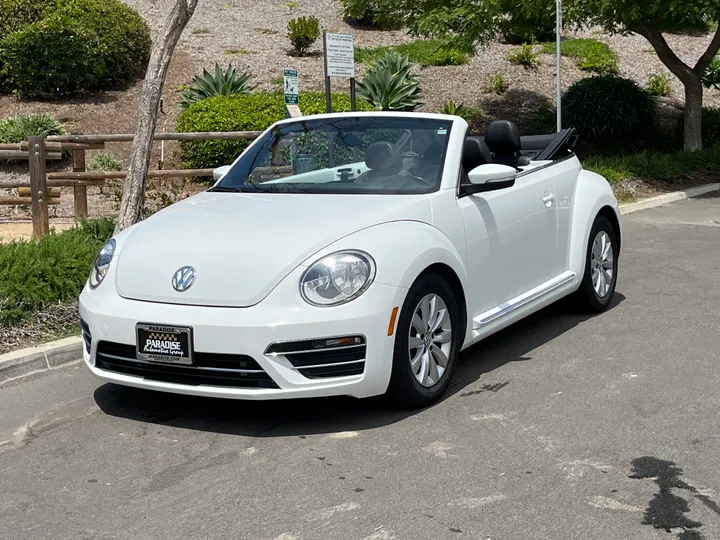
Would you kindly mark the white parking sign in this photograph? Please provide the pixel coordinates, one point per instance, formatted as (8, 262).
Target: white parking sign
(340, 55)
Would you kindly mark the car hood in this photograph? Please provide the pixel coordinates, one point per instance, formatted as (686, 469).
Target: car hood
(242, 245)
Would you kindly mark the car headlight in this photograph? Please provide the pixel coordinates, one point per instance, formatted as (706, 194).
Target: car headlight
(102, 264)
(337, 278)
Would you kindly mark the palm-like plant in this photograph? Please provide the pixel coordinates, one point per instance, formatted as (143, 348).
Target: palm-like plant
(221, 83)
(390, 84)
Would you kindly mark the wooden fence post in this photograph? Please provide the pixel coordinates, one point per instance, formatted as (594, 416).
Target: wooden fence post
(80, 192)
(38, 187)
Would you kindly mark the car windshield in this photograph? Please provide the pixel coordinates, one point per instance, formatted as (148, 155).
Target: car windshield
(363, 154)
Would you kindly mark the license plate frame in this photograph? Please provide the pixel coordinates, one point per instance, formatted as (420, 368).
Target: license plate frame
(164, 351)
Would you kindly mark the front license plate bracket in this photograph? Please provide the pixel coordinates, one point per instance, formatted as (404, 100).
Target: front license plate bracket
(164, 344)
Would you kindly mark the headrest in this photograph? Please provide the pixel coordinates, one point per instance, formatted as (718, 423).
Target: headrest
(475, 153)
(383, 155)
(503, 138)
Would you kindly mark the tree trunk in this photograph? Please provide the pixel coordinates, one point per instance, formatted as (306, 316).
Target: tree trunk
(693, 115)
(134, 188)
(690, 77)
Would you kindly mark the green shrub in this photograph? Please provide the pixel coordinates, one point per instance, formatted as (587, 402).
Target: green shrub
(220, 83)
(302, 33)
(426, 52)
(653, 165)
(607, 109)
(590, 54)
(250, 112)
(371, 13)
(497, 84)
(659, 85)
(51, 271)
(710, 126)
(525, 55)
(449, 57)
(105, 162)
(711, 77)
(18, 128)
(390, 85)
(468, 113)
(16, 14)
(79, 46)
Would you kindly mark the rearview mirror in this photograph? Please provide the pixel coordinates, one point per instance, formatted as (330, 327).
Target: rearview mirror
(490, 177)
(220, 172)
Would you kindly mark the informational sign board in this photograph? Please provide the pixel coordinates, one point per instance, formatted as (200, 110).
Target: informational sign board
(339, 55)
(291, 88)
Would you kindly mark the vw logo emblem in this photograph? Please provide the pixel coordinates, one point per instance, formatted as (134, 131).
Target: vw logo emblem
(184, 278)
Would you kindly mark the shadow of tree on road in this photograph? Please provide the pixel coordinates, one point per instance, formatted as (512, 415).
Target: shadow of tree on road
(666, 510)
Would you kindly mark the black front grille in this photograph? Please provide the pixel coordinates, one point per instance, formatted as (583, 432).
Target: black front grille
(86, 335)
(209, 369)
(329, 356)
(315, 360)
(342, 370)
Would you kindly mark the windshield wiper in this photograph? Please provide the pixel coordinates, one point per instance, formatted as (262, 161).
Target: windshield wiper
(225, 189)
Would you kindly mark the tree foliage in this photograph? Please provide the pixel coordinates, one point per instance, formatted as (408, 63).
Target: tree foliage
(473, 22)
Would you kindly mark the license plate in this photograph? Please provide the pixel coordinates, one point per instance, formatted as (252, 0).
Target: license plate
(168, 344)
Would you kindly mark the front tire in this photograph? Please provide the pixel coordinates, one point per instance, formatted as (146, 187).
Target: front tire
(601, 266)
(427, 343)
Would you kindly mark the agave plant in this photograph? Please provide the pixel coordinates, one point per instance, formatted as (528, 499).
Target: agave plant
(221, 83)
(390, 84)
(459, 110)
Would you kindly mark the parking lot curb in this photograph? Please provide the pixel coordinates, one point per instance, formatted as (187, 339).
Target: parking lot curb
(668, 198)
(16, 364)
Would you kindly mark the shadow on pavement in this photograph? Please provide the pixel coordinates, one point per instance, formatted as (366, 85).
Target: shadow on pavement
(666, 510)
(328, 415)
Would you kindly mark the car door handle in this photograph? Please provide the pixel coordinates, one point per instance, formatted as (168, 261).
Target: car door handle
(548, 199)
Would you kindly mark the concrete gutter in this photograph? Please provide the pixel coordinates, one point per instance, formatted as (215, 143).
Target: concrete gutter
(56, 354)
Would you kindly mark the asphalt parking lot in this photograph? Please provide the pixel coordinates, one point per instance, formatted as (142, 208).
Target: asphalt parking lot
(561, 427)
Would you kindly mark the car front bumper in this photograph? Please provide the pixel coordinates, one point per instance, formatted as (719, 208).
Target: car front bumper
(281, 317)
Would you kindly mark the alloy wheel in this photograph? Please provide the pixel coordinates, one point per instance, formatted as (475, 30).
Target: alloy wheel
(430, 340)
(602, 264)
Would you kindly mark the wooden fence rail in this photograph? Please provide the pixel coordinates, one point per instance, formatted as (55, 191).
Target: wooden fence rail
(37, 150)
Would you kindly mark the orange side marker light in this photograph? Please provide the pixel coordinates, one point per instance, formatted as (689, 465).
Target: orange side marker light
(393, 317)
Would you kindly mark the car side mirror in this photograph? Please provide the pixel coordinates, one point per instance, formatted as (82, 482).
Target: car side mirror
(490, 177)
(220, 172)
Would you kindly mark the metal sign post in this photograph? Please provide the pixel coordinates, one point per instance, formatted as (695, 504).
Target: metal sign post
(339, 62)
(558, 60)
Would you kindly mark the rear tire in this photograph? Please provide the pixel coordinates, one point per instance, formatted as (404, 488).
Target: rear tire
(427, 343)
(601, 268)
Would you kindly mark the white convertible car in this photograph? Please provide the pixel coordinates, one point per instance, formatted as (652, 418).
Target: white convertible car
(350, 254)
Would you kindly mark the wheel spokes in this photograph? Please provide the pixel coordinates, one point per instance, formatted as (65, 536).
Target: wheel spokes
(430, 340)
(440, 357)
(442, 337)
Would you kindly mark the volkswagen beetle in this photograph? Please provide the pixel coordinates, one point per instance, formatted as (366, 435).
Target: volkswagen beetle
(350, 254)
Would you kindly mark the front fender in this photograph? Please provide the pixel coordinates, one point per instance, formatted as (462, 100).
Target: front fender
(592, 194)
(402, 251)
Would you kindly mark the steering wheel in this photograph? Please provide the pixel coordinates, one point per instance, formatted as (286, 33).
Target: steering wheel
(421, 179)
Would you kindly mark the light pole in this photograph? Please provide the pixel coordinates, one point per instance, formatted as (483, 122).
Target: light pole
(558, 61)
